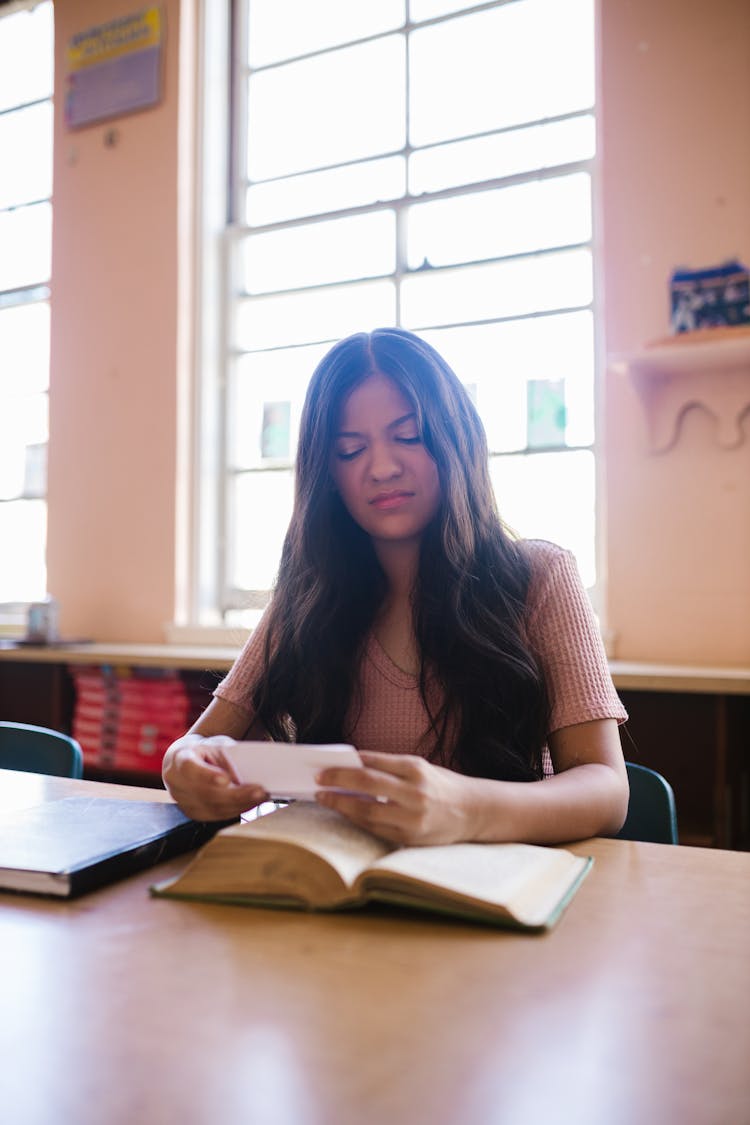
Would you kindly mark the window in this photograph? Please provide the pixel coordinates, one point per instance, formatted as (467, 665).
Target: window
(26, 68)
(425, 165)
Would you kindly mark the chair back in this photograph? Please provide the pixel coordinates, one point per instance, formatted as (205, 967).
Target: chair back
(39, 750)
(652, 814)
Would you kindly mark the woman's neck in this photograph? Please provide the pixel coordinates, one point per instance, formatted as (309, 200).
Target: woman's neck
(400, 563)
(393, 626)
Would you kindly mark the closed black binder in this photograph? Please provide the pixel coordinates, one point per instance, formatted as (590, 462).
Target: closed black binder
(67, 847)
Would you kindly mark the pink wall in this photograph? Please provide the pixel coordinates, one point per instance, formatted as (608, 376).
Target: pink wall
(111, 535)
(675, 149)
(675, 173)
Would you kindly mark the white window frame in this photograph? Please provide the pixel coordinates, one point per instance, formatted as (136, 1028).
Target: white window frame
(13, 615)
(211, 596)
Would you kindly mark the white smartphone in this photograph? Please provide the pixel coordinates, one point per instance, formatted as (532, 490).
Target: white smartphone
(287, 770)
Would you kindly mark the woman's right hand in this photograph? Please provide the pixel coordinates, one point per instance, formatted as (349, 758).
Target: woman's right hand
(200, 779)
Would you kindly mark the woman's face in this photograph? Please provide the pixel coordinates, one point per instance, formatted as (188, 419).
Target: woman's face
(387, 480)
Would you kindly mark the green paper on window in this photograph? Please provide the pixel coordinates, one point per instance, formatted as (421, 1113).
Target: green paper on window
(275, 438)
(546, 416)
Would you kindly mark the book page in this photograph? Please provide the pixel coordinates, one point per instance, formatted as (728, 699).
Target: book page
(348, 849)
(527, 880)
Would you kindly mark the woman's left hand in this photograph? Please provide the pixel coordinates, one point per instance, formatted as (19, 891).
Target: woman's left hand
(405, 799)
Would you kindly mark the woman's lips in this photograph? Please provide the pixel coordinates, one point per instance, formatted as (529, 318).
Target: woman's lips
(389, 500)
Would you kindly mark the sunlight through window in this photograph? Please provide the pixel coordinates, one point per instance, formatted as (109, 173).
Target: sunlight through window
(26, 71)
(431, 170)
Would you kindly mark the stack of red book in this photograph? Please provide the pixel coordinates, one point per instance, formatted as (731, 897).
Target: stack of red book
(125, 718)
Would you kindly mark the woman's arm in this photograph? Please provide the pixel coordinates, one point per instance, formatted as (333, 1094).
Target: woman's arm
(420, 803)
(195, 770)
(587, 796)
(198, 775)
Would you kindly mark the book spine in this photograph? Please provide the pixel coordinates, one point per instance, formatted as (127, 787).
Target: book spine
(184, 838)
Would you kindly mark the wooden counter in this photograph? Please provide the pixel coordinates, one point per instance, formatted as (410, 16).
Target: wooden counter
(690, 723)
(697, 680)
(627, 675)
(130, 655)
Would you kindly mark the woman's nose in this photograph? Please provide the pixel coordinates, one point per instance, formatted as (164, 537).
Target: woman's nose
(384, 463)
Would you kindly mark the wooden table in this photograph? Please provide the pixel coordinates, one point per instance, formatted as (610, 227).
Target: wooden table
(120, 1009)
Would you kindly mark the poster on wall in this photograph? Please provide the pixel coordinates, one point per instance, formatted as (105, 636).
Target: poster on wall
(114, 68)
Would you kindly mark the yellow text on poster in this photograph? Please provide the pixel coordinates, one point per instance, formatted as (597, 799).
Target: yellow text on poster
(114, 39)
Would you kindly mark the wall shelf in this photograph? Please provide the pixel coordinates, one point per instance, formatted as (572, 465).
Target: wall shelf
(707, 370)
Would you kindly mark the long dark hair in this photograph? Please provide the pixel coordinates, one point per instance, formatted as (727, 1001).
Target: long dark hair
(470, 595)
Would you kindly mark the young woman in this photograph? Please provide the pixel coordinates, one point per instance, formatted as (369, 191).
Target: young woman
(465, 665)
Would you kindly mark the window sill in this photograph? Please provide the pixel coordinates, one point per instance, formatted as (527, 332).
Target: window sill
(220, 636)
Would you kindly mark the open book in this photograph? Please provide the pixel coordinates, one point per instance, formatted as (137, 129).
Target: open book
(311, 858)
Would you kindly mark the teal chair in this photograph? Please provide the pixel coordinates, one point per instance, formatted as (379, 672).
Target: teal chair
(39, 750)
(652, 815)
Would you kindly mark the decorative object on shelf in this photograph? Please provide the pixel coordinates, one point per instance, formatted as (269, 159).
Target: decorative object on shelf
(713, 297)
(707, 370)
(42, 623)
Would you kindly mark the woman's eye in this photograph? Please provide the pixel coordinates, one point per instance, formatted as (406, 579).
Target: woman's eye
(348, 454)
(416, 440)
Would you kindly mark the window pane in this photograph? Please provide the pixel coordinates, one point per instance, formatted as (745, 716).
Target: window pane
(25, 245)
(26, 72)
(262, 505)
(26, 155)
(429, 9)
(23, 575)
(12, 458)
(519, 62)
(320, 314)
(24, 349)
(23, 439)
(280, 29)
(506, 154)
(503, 289)
(26, 57)
(493, 224)
(343, 106)
(497, 276)
(262, 385)
(550, 496)
(320, 253)
(33, 414)
(355, 185)
(499, 361)
(35, 470)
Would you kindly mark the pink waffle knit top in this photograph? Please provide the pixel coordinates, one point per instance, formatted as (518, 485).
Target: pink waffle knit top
(561, 627)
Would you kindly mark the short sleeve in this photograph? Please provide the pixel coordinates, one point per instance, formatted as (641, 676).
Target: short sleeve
(240, 682)
(564, 632)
